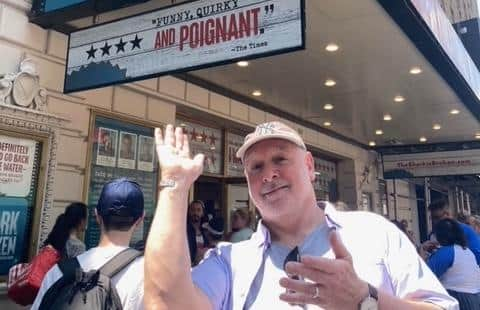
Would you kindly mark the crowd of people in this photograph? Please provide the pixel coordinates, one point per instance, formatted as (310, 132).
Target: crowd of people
(303, 253)
(205, 231)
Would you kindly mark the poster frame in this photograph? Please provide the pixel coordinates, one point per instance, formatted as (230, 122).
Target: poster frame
(94, 113)
(44, 139)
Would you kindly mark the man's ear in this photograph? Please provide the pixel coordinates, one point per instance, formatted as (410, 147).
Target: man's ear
(309, 161)
(140, 220)
(98, 218)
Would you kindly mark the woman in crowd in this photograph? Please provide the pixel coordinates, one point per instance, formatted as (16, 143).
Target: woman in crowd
(455, 265)
(240, 226)
(64, 236)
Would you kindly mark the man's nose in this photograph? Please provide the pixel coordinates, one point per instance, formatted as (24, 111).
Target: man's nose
(269, 175)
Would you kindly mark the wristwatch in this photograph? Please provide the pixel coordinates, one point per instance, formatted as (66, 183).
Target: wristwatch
(166, 183)
(371, 301)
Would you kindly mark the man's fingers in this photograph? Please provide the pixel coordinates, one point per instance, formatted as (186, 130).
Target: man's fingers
(338, 247)
(301, 286)
(169, 139)
(186, 146)
(198, 160)
(297, 298)
(179, 138)
(315, 272)
(158, 136)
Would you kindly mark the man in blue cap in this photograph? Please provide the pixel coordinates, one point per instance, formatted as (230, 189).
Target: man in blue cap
(119, 211)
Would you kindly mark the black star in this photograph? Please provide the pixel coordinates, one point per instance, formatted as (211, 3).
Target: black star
(106, 49)
(136, 42)
(120, 46)
(91, 52)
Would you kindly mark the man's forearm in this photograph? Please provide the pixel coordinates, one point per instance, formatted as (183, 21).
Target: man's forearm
(168, 281)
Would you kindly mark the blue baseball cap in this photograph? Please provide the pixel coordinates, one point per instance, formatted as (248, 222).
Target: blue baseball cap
(121, 197)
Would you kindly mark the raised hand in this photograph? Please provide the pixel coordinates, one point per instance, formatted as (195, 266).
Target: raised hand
(332, 283)
(173, 153)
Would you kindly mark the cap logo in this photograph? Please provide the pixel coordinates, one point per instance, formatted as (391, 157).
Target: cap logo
(265, 129)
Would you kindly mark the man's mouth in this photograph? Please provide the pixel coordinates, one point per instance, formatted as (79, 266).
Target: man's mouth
(273, 190)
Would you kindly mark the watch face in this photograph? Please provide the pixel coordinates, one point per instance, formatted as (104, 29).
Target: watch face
(369, 304)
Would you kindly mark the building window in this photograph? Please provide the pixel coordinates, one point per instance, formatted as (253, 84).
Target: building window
(325, 184)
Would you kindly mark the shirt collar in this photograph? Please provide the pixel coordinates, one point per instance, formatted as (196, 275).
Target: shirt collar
(262, 236)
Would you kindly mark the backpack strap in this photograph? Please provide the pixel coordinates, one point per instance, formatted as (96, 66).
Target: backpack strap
(69, 267)
(119, 261)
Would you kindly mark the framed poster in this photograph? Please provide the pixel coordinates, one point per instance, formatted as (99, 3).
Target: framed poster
(205, 140)
(128, 150)
(120, 160)
(146, 153)
(19, 169)
(107, 147)
(234, 164)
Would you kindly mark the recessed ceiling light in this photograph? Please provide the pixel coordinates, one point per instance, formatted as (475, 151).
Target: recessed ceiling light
(415, 70)
(372, 143)
(242, 63)
(257, 93)
(330, 83)
(327, 124)
(379, 132)
(477, 135)
(454, 112)
(422, 139)
(328, 107)
(332, 47)
(437, 127)
(399, 99)
(387, 117)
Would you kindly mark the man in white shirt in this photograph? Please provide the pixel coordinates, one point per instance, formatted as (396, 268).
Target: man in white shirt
(119, 211)
(303, 256)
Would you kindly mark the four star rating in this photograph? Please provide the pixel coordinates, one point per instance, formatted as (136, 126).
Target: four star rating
(135, 43)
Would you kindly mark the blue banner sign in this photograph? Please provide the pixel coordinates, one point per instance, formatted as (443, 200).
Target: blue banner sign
(13, 228)
(52, 5)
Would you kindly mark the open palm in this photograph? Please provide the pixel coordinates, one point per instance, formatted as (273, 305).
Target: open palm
(173, 153)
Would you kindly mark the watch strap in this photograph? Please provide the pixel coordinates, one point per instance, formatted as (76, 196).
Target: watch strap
(166, 183)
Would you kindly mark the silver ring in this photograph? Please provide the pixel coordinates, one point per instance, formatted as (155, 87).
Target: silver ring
(317, 292)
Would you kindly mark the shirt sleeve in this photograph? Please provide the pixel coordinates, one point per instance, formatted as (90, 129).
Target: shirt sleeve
(410, 276)
(74, 248)
(213, 277)
(50, 278)
(441, 260)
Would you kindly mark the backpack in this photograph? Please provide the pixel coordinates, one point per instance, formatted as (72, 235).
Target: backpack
(78, 289)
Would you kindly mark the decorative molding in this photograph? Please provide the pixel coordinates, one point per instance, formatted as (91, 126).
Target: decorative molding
(23, 88)
(37, 122)
(23, 5)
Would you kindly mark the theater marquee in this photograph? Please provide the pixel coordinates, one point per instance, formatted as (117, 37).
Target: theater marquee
(180, 38)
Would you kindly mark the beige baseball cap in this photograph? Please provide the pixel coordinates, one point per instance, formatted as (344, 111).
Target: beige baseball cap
(270, 130)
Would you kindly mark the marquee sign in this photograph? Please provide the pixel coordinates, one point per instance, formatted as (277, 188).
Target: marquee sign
(459, 162)
(182, 37)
